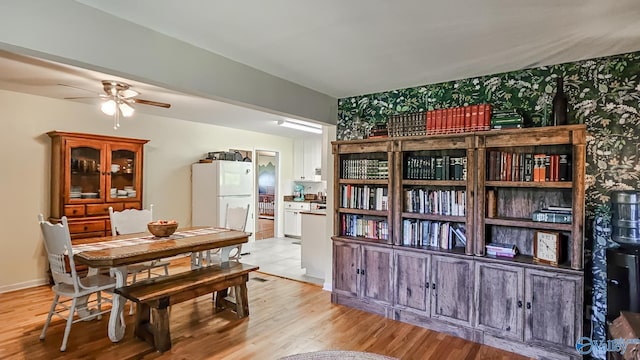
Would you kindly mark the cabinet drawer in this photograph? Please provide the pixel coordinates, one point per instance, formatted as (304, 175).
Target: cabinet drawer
(86, 235)
(289, 205)
(101, 209)
(73, 210)
(87, 226)
(131, 205)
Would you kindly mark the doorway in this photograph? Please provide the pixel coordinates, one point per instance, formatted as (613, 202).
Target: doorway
(267, 163)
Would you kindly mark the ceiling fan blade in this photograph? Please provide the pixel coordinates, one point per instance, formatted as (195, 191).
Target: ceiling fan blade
(152, 103)
(85, 97)
(128, 93)
(79, 88)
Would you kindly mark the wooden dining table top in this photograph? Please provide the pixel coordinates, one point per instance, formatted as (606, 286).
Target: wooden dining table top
(149, 248)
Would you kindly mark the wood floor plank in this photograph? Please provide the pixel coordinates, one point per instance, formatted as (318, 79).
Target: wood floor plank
(287, 317)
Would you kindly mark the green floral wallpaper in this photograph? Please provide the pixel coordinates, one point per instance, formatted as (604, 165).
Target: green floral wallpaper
(604, 93)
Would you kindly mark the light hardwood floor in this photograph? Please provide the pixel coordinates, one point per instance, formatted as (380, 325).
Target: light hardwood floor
(286, 317)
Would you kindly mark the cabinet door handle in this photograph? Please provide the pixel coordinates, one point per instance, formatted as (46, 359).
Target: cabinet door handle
(427, 284)
(361, 271)
(519, 303)
(357, 271)
(528, 305)
(75, 211)
(433, 286)
(86, 228)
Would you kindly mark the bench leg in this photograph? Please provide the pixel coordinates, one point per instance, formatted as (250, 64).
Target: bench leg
(220, 299)
(242, 301)
(143, 317)
(161, 334)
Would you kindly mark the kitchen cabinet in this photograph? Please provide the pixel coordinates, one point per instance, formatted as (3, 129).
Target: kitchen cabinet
(307, 157)
(89, 174)
(293, 218)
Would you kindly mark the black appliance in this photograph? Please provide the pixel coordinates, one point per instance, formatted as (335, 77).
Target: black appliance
(623, 281)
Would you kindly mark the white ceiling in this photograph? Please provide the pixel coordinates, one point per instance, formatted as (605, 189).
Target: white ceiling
(346, 48)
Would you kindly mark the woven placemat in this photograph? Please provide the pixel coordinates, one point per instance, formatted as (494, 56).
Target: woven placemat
(337, 354)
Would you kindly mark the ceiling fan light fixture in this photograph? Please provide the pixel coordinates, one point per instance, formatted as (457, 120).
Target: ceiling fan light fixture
(109, 107)
(126, 109)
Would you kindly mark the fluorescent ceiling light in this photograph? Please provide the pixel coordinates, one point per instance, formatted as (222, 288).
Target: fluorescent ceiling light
(301, 125)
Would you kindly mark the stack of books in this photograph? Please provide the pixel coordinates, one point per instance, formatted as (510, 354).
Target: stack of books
(506, 119)
(498, 249)
(379, 131)
(553, 214)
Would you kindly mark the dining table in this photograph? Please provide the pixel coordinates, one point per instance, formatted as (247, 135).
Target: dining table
(117, 252)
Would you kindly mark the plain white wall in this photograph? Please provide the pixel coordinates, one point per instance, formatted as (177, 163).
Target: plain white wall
(25, 168)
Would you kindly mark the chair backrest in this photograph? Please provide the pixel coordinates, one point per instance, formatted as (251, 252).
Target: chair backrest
(236, 217)
(130, 221)
(57, 242)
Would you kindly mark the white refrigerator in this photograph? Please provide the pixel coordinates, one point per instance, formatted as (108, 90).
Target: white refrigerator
(217, 184)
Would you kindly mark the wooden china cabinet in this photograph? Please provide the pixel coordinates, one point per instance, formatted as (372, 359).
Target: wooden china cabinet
(90, 173)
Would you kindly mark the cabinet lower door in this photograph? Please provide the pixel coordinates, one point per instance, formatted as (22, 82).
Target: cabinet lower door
(376, 274)
(499, 299)
(345, 268)
(452, 289)
(553, 310)
(411, 275)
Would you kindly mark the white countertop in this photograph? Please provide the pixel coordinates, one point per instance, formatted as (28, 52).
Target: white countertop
(322, 212)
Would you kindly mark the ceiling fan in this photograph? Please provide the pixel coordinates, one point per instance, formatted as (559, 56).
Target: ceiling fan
(118, 100)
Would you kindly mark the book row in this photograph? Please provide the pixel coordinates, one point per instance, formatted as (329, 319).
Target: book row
(445, 235)
(438, 202)
(436, 167)
(511, 166)
(363, 226)
(459, 119)
(441, 121)
(365, 169)
(364, 197)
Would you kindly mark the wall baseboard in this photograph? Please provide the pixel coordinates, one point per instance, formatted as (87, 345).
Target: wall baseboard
(328, 286)
(24, 285)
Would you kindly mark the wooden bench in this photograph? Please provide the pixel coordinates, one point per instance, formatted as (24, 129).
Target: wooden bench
(154, 296)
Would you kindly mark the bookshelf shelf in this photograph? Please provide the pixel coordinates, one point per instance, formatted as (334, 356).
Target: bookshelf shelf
(457, 183)
(364, 181)
(434, 217)
(380, 213)
(531, 184)
(524, 223)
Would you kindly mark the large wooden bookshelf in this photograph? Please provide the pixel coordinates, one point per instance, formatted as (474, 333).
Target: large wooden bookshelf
(424, 274)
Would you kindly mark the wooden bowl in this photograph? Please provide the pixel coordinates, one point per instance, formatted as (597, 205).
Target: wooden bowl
(162, 230)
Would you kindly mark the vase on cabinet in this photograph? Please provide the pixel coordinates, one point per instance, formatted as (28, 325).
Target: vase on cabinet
(559, 105)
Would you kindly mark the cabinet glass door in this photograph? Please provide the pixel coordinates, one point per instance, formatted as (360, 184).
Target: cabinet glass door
(124, 167)
(84, 180)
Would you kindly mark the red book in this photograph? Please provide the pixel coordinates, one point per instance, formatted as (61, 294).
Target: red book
(449, 123)
(467, 118)
(459, 120)
(480, 125)
(474, 117)
(487, 117)
(438, 122)
(429, 122)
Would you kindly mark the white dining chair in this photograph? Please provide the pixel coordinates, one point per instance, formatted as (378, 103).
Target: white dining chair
(72, 293)
(235, 219)
(132, 221)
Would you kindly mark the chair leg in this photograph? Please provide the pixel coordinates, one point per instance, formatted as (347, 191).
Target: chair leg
(53, 308)
(99, 296)
(67, 329)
